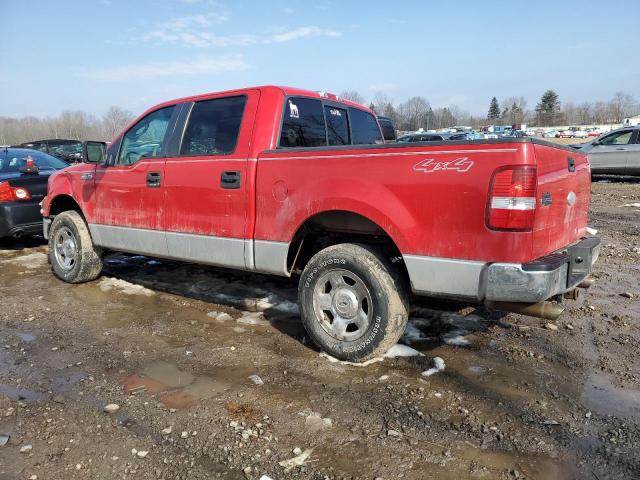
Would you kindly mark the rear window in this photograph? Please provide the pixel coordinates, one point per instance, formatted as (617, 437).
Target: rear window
(15, 159)
(388, 132)
(337, 125)
(364, 127)
(303, 124)
(213, 126)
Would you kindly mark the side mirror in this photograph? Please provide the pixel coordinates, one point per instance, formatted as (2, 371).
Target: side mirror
(94, 152)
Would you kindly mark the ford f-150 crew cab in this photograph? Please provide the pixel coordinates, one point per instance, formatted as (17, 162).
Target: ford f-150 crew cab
(291, 182)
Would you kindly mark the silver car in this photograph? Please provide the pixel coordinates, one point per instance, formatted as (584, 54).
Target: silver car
(617, 152)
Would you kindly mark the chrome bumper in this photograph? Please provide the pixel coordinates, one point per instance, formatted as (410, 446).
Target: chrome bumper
(543, 278)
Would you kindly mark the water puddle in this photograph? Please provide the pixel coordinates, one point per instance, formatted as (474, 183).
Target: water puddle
(603, 397)
(180, 389)
(26, 337)
(20, 394)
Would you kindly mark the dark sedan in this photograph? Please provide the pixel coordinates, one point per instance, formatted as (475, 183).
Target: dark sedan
(23, 184)
(432, 137)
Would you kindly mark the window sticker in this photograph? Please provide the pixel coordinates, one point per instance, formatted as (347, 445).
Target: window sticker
(336, 112)
(293, 110)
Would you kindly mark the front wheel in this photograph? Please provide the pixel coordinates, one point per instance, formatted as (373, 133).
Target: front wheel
(353, 302)
(72, 255)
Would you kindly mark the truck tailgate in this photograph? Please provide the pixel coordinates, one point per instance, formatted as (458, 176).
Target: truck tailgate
(564, 184)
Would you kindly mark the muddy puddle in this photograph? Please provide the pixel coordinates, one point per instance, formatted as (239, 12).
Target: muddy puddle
(605, 398)
(181, 389)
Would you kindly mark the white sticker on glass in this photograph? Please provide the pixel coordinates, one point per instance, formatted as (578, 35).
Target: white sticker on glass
(293, 110)
(334, 111)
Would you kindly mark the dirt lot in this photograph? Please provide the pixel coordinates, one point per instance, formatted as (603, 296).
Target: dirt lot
(173, 346)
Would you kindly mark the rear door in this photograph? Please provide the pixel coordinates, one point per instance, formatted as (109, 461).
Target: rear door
(206, 194)
(612, 153)
(128, 192)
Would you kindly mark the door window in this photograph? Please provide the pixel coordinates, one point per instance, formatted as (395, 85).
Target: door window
(213, 126)
(337, 125)
(619, 138)
(364, 127)
(303, 124)
(145, 139)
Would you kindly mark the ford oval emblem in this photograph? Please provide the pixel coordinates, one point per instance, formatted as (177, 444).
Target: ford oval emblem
(571, 199)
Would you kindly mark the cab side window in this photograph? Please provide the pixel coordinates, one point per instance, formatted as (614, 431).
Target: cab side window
(213, 127)
(303, 124)
(146, 138)
(620, 138)
(364, 128)
(337, 125)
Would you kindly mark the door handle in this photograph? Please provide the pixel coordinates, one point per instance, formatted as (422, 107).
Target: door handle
(230, 180)
(620, 148)
(153, 179)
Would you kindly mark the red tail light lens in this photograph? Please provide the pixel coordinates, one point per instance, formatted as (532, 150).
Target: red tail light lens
(512, 199)
(13, 194)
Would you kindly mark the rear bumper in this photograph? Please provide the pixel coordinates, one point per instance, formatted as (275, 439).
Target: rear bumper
(20, 218)
(531, 282)
(543, 278)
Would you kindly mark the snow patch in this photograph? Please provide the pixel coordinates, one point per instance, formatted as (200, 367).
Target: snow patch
(398, 350)
(438, 366)
(107, 284)
(30, 261)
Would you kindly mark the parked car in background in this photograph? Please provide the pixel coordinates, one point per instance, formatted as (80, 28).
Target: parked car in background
(551, 134)
(388, 129)
(68, 150)
(616, 152)
(580, 134)
(432, 137)
(594, 132)
(566, 134)
(23, 184)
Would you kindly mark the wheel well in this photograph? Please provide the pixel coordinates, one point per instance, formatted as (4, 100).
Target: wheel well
(338, 226)
(62, 203)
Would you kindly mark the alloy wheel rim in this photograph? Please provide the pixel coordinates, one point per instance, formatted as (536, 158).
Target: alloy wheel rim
(65, 248)
(342, 305)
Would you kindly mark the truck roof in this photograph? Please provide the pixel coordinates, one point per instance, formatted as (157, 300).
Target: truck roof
(286, 91)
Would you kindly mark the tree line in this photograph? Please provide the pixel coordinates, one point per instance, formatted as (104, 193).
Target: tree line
(417, 112)
(74, 125)
(411, 115)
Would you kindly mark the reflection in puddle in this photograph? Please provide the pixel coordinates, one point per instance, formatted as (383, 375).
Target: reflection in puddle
(26, 337)
(603, 397)
(179, 389)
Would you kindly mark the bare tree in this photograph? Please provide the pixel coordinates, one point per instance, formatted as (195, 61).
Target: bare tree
(115, 120)
(352, 95)
(622, 105)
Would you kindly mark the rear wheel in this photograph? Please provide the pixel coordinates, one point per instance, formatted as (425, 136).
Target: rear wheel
(72, 255)
(353, 302)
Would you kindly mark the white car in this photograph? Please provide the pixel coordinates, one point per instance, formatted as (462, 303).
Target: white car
(580, 134)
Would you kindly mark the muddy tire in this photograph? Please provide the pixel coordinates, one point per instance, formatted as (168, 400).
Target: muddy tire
(353, 302)
(72, 255)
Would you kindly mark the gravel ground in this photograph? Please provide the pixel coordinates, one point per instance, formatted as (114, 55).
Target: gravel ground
(171, 352)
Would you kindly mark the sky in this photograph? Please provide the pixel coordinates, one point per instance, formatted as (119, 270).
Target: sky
(91, 54)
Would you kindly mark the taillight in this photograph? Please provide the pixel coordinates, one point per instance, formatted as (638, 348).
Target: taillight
(13, 194)
(512, 199)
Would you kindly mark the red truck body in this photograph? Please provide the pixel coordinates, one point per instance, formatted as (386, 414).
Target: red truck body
(435, 203)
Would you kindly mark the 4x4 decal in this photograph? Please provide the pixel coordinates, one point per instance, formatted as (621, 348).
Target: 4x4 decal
(431, 165)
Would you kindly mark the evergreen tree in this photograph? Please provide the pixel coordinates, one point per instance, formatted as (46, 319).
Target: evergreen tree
(548, 109)
(494, 109)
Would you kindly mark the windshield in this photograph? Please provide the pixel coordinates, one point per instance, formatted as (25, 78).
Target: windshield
(14, 159)
(65, 148)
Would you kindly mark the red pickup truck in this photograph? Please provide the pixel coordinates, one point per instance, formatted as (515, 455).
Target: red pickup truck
(293, 182)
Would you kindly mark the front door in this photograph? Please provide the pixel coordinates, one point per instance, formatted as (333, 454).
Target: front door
(611, 154)
(129, 195)
(206, 201)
